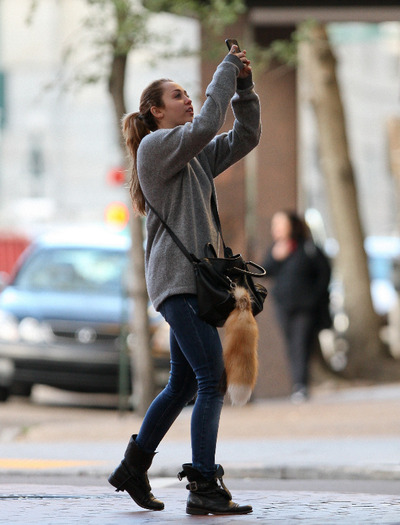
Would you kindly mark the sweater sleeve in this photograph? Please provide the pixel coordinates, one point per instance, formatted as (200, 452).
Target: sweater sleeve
(227, 148)
(172, 149)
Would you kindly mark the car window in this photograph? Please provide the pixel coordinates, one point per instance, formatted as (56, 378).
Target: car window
(83, 270)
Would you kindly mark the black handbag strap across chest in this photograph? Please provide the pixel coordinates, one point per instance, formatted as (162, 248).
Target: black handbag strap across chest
(190, 256)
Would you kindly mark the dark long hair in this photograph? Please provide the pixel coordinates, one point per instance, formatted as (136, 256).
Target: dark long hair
(299, 229)
(135, 126)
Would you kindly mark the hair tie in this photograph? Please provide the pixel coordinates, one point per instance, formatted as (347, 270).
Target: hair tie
(140, 117)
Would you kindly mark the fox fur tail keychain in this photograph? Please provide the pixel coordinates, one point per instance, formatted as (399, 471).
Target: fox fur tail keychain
(240, 349)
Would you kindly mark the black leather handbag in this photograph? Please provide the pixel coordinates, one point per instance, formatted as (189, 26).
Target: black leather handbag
(217, 277)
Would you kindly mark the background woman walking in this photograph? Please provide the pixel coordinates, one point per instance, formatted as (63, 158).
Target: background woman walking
(301, 274)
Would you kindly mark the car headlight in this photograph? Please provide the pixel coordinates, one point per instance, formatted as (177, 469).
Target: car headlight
(28, 329)
(33, 331)
(8, 327)
(159, 339)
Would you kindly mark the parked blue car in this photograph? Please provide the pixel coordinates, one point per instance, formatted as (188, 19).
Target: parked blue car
(64, 315)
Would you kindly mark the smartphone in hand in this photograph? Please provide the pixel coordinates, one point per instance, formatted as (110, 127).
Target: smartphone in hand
(232, 42)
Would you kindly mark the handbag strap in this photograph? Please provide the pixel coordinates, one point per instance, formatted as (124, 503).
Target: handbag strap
(214, 209)
(190, 256)
(261, 273)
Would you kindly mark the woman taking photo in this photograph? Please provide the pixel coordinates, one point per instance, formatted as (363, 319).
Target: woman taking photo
(175, 157)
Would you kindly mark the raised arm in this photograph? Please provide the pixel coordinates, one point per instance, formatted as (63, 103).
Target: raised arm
(173, 148)
(227, 148)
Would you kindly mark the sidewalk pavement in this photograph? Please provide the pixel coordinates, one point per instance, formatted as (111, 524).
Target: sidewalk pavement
(66, 505)
(351, 433)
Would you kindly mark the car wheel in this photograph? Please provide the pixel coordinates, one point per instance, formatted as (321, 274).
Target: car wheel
(4, 393)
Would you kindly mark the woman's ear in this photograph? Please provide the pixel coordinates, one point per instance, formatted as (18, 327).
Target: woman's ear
(157, 112)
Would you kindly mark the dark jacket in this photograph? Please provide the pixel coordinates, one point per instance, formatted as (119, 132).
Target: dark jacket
(301, 280)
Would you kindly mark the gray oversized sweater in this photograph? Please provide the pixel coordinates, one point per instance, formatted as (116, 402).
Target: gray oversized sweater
(176, 168)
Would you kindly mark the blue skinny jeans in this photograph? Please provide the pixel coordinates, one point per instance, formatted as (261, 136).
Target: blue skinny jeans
(196, 367)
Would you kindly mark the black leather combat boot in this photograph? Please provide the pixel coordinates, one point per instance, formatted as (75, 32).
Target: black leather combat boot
(207, 496)
(131, 475)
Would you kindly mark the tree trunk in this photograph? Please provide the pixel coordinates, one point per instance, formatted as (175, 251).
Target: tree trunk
(143, 387)
(352, 266)
(142, 365)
